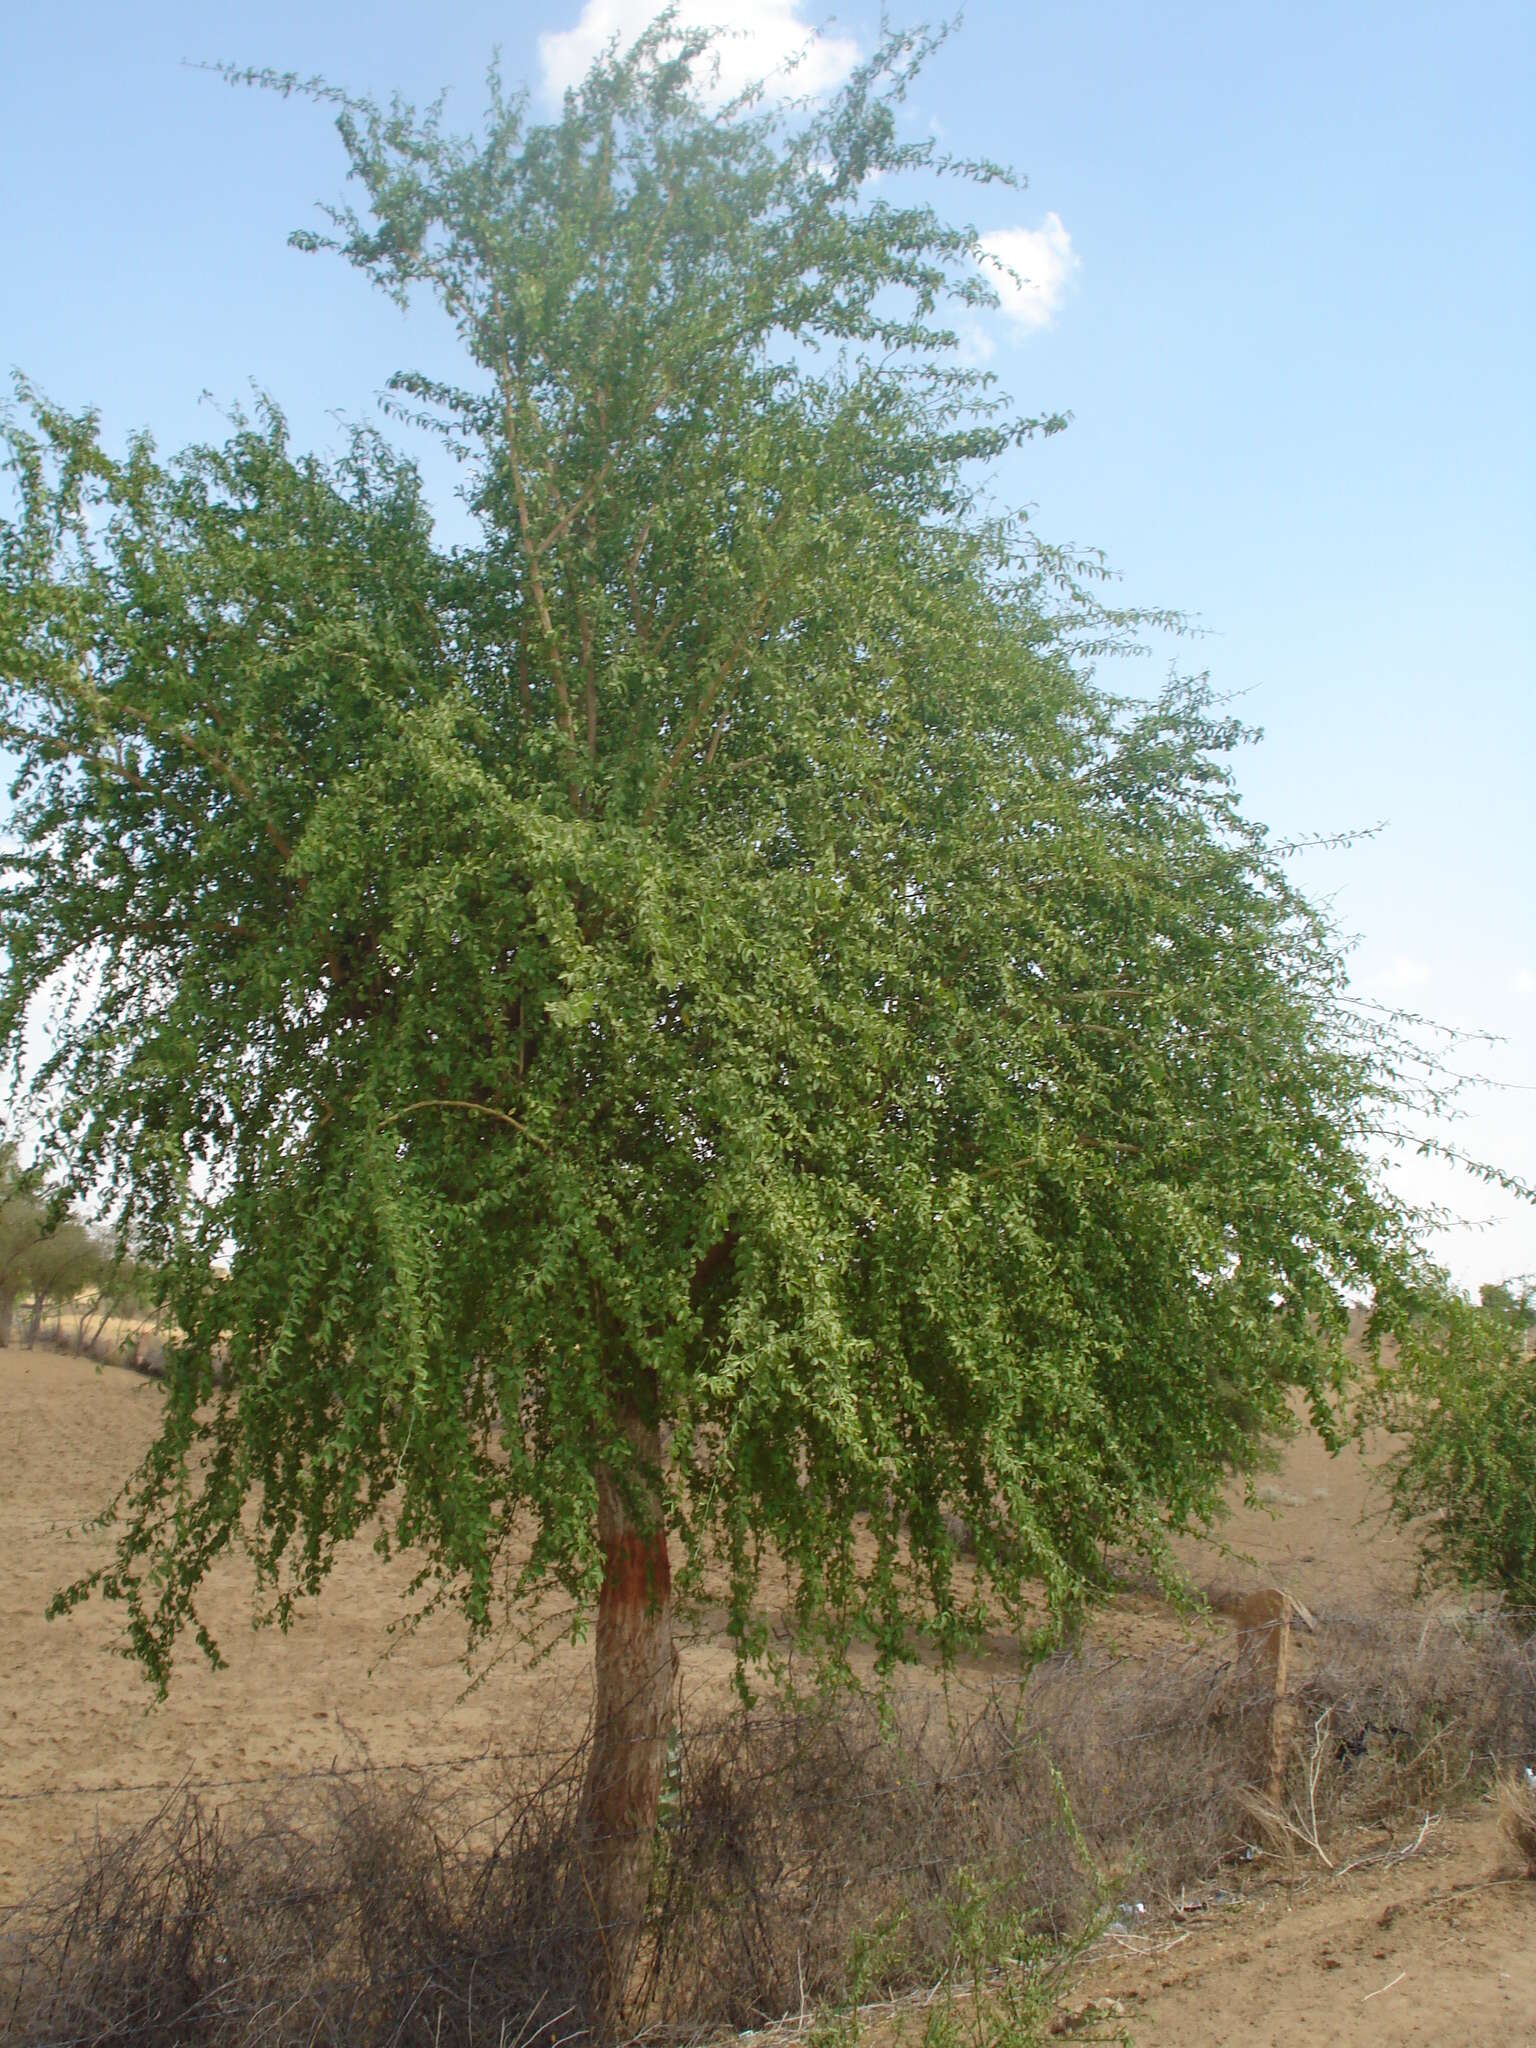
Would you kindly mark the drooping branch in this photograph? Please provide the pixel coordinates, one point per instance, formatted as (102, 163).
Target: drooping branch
(504, 1116)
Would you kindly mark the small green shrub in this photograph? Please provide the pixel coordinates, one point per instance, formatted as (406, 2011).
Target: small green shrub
(1461, 1394)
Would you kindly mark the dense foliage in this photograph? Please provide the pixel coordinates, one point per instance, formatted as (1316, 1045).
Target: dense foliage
(705, 959)
(1459, 1386)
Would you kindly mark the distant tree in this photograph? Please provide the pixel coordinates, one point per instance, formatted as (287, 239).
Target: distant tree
(1510, 1301)
(119, 1287)
(701, 1031)
(62, 1263)
(47, 1255)
(22, 1222)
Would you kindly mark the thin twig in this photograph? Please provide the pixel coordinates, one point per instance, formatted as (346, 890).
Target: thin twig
(1385, 1987)
(504, 1116)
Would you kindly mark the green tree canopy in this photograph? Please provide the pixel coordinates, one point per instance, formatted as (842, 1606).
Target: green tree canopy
(65, 1261)
(693, 1020)
(1512, 1301)
(46, 1252)
(23, 1222)
(1457, 1388)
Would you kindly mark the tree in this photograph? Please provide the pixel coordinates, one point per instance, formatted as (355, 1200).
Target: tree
(117, 1287)
(23, 1219)
(63, 1262)
(1512, 1301)
(1458, 1391)
(700, 1031)
(49, 1254)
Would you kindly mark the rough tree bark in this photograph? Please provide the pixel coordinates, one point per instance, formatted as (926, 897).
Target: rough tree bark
(636, 1669)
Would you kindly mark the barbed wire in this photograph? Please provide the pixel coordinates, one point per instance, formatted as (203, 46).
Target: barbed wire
(1030, 1690)
(790, 1883)
(278, 1775)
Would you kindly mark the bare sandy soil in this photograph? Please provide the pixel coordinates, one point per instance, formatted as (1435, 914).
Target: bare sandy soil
(1435, 1948)
(79, 1730)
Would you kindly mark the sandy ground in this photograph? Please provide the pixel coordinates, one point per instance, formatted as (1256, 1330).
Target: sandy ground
(79, 1730)
(82, 1745)
(1436, 1948)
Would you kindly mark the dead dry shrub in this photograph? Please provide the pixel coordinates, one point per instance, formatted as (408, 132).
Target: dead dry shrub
(825, 1855)
(1153, 1755)
(1419, 1708)
(365, 1918)
(1517, 1814)
(835, 1853)
(809, 1858)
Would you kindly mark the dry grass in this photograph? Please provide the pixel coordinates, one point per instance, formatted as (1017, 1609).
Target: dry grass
(1422, 1709)
(136, 1342)
(1517, 1813)
(807, 1859)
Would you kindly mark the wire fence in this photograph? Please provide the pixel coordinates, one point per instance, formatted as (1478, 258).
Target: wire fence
(828, 1852)
(1425, 1633)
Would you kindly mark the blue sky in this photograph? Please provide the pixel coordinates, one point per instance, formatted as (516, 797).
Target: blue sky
(1282, 277)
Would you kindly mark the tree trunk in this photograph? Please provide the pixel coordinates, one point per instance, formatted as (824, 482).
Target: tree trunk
(636, 1665)
(7, 1314)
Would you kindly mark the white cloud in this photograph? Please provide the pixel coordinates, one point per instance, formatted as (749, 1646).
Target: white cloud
(977, 347)
(1404, 973)
(1524, 982)
(1042, 258)
(761, 38)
